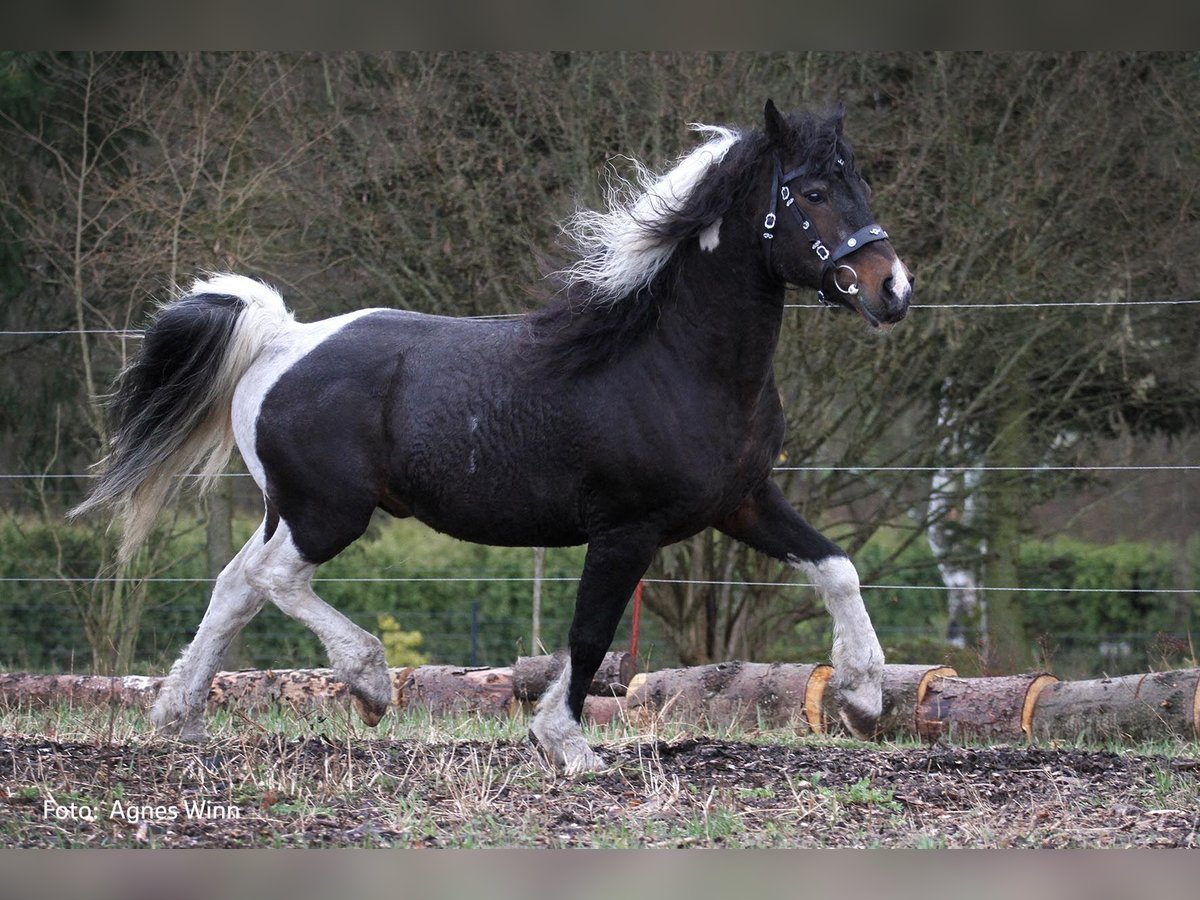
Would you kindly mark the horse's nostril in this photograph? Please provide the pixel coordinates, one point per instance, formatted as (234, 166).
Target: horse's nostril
(889, 286)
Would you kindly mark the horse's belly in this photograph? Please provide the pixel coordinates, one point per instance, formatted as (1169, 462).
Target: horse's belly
(488, 508)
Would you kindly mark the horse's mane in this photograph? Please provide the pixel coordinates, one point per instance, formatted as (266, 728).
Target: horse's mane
(624, 255)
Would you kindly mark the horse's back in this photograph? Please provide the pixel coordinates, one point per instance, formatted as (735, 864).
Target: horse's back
(420, 415)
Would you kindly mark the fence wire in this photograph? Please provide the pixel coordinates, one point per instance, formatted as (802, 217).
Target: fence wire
(448, 626)
(1018, 304)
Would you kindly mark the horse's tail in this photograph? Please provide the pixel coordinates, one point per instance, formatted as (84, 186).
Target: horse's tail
(171, 408)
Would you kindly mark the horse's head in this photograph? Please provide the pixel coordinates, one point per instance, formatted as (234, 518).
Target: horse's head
(818, 230)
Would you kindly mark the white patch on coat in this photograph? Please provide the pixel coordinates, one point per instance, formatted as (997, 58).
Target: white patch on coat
(277, 357)
(710, 237)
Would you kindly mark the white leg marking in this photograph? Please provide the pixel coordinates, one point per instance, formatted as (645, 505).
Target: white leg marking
(357, 657)
(857, 657)
(559, 734)
(179, 707)
(710, 237)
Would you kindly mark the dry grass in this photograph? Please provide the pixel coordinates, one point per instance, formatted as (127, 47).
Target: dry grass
(321, 779)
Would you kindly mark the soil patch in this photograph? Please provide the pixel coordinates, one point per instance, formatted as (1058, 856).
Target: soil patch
(271, 791)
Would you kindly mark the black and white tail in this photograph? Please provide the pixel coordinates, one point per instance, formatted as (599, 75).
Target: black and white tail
(171, 408)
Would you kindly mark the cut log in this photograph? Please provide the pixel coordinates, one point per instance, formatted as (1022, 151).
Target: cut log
(599, 710)
(255, 689)
(533, 675)
(999, 708)
(735, 693)
(454, 689)
(904, 687)
(1137, 707)
(25, 689)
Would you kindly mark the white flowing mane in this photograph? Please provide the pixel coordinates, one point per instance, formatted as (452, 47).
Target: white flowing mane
(619, 251)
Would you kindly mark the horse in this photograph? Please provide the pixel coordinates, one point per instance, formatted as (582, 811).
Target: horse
(634, 408)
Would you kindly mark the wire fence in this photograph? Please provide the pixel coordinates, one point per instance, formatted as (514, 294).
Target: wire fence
(494, 637)
(475, 628)
(983, 305)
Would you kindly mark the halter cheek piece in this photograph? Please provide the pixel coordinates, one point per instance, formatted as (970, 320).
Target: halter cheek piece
(831, 260)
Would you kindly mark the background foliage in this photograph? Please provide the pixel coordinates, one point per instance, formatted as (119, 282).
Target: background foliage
(430, 181)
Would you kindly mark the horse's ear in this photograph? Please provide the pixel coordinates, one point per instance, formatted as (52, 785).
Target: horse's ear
(776, 125)
(839, 117)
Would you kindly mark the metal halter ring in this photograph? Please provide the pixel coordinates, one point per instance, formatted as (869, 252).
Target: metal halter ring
(853, 289)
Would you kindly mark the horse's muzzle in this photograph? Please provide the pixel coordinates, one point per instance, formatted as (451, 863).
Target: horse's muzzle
(891, 303)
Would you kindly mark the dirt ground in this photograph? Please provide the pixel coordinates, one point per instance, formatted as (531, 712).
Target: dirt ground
(688, 792)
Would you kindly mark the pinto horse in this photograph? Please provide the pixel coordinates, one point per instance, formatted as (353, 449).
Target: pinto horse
(633, 410)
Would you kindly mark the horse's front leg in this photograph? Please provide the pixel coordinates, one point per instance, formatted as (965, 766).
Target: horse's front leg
(614, 564)
(767, 522)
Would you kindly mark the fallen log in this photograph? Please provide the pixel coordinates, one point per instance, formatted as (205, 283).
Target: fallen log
(735, 693)
(533, 675)
(1137, 707)
(454, 689)
(25, 689)
(257, 689)
(998, 708)
(599, 710)
(904, 688)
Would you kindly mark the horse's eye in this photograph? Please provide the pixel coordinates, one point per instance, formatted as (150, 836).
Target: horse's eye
(814, 197)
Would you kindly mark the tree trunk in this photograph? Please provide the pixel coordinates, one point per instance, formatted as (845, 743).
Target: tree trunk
(454, 689)
(988, 709)
(218, 545)
(736, 693)
(904, 689)
(951, 515)
(1006, 648)
(603, 710)
(533, 675)
(24, 689)
(539, 571)
(1133, 707)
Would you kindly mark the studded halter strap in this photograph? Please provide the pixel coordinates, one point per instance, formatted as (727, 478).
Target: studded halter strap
(831, 260)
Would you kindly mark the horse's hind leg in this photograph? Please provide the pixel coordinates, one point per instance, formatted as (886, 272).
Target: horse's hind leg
(282, 574)
(179, 707)
(611, 571)
(767, 522)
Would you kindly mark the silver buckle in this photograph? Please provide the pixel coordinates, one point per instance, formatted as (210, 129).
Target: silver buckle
(821, 250)
(769, 221)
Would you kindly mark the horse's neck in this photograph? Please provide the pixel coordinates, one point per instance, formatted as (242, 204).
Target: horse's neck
(725, 319)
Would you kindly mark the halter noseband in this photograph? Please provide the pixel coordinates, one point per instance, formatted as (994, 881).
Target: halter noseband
(830, 259)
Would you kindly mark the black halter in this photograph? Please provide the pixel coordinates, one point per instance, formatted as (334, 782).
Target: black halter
(830, 259)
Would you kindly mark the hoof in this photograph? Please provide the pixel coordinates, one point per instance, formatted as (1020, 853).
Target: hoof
(862, 725)
(860, 704)
(582, 761)
(189, 732)
(170, 722)
(370, 711)
(572, 757)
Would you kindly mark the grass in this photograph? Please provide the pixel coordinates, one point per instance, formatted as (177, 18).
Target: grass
(321, 778)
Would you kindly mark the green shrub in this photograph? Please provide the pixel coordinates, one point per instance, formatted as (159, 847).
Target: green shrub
(489, 621)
